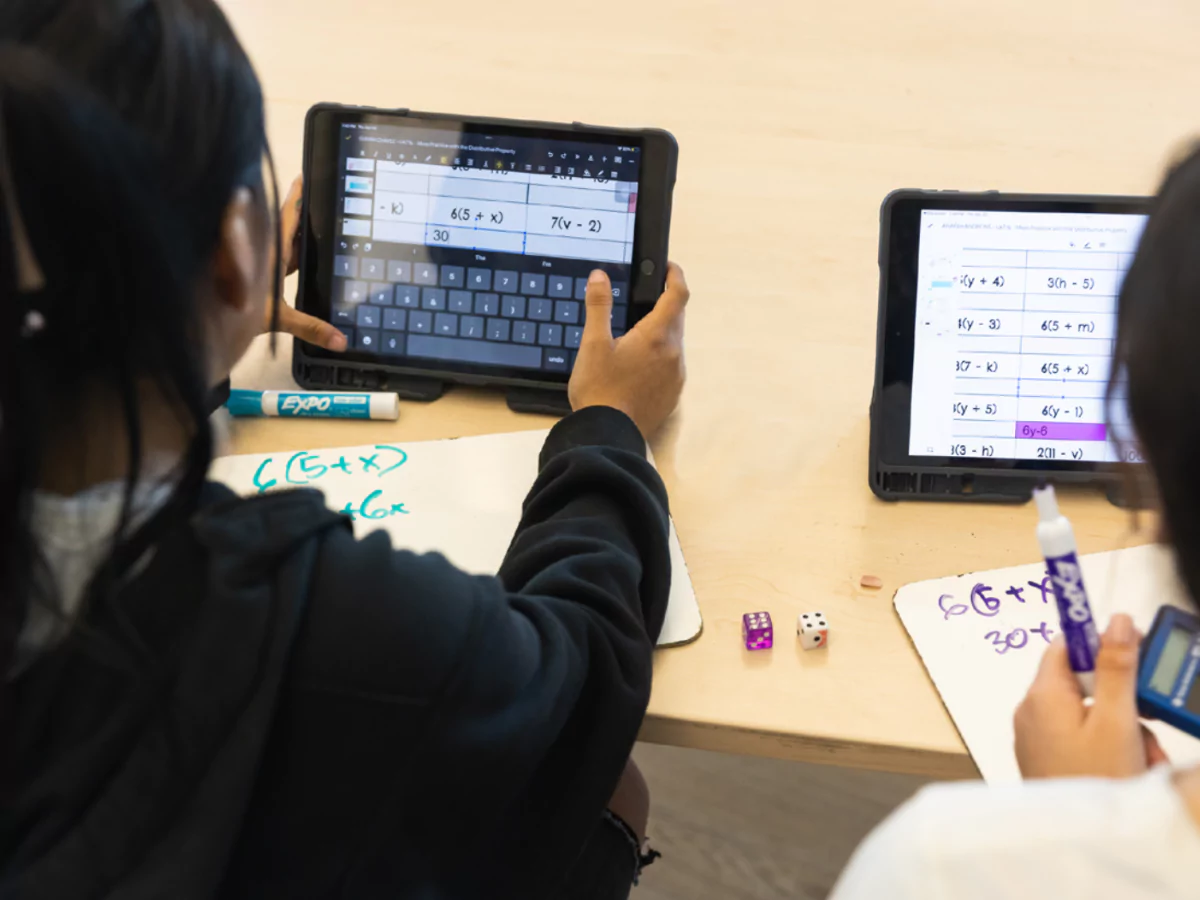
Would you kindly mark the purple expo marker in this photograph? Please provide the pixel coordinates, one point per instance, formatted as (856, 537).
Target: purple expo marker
(1057, 540)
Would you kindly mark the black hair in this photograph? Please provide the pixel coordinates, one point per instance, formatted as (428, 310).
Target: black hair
(1156, 360)
(126, 126)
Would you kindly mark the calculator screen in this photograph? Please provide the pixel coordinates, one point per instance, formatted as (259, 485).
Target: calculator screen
(1170, 661)
(1015, 325)
(471, 247)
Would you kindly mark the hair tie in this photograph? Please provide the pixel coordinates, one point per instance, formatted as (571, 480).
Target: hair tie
(34, 323)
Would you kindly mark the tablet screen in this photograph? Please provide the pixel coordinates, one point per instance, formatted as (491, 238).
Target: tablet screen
(1015, 324)
(463, 246)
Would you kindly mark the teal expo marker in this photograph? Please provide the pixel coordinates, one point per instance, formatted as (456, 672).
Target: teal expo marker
(332, 405)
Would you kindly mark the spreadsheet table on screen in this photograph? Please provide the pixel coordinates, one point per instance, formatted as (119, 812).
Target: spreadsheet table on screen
(1016, 319)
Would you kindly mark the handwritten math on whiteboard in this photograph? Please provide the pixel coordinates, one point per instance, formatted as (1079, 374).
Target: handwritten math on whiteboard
(1016, 321)
(981, 636)
(462, 498)
(984, 601)
(309, 468)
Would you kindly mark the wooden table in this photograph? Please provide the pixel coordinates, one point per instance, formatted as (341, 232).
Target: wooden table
(794, 119)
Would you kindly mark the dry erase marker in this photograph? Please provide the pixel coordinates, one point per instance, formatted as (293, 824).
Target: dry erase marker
(1057, 540)
(332, 405)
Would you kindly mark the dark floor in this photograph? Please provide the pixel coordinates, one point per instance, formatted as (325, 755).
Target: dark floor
(739, 828)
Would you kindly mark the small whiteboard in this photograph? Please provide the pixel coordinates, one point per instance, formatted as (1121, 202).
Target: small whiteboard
(981, 637)
(458, 497)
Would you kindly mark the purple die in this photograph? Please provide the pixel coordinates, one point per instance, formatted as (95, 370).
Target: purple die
(757, 631)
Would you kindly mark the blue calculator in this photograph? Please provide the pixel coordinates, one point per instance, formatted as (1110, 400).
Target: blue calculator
(1168, 687)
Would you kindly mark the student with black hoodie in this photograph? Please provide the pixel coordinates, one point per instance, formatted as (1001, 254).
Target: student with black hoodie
(207, 696)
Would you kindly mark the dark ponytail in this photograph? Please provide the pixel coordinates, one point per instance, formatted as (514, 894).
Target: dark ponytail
(1156, 365)
(127, 127)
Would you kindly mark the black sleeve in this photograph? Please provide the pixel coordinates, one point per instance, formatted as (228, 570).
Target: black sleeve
(467, 731)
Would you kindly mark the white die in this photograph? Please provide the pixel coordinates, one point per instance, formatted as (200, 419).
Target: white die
(813, 630)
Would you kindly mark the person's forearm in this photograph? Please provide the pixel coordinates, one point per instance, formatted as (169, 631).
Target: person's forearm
(595, 524)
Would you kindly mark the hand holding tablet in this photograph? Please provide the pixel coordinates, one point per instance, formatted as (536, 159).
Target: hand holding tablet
(453, 249)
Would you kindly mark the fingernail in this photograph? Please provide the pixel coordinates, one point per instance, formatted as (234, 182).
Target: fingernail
(597, 277)
(1120, 631)
(338, 342)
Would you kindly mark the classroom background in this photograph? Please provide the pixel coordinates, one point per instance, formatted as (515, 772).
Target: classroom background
(794, 120)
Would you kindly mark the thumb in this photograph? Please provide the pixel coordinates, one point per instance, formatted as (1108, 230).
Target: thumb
(597, 325)
(1116, 668)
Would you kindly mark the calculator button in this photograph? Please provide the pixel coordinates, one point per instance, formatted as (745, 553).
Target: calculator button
(445, 324)
(367, 341)
(506, 282)
(452, 276)
(550, 335)
(535, 285)
(512, 307)
(381, 294)
(497, 329)
(354, 292)
(566, 311)
(479, 279)
(541, 310)
(408, 296)
(395, 319)
(524, 332)
(487, 304)
(420, 322)
(368, 317)
(471, 327)
(424, 273)
(371, 269)
(433, 298)
(399, 271)
(345, 266)
(573, 334)
(460, 301)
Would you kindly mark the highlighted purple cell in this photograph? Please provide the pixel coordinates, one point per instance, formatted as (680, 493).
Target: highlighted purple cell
(1062, 431)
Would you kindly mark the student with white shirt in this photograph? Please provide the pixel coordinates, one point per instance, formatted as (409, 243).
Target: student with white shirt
(1101, 814)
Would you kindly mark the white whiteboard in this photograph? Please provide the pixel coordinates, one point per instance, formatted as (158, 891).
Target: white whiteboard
(459, 497)
(981, 637)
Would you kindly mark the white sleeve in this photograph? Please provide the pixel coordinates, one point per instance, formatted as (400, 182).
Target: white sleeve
(893, 861)
(1077, 837)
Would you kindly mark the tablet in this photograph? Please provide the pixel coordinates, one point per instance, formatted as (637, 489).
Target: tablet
(457, 249)
(997, 318)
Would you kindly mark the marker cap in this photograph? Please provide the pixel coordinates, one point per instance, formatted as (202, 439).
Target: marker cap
(1047, 503)
(244, 403)
(385, 406)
